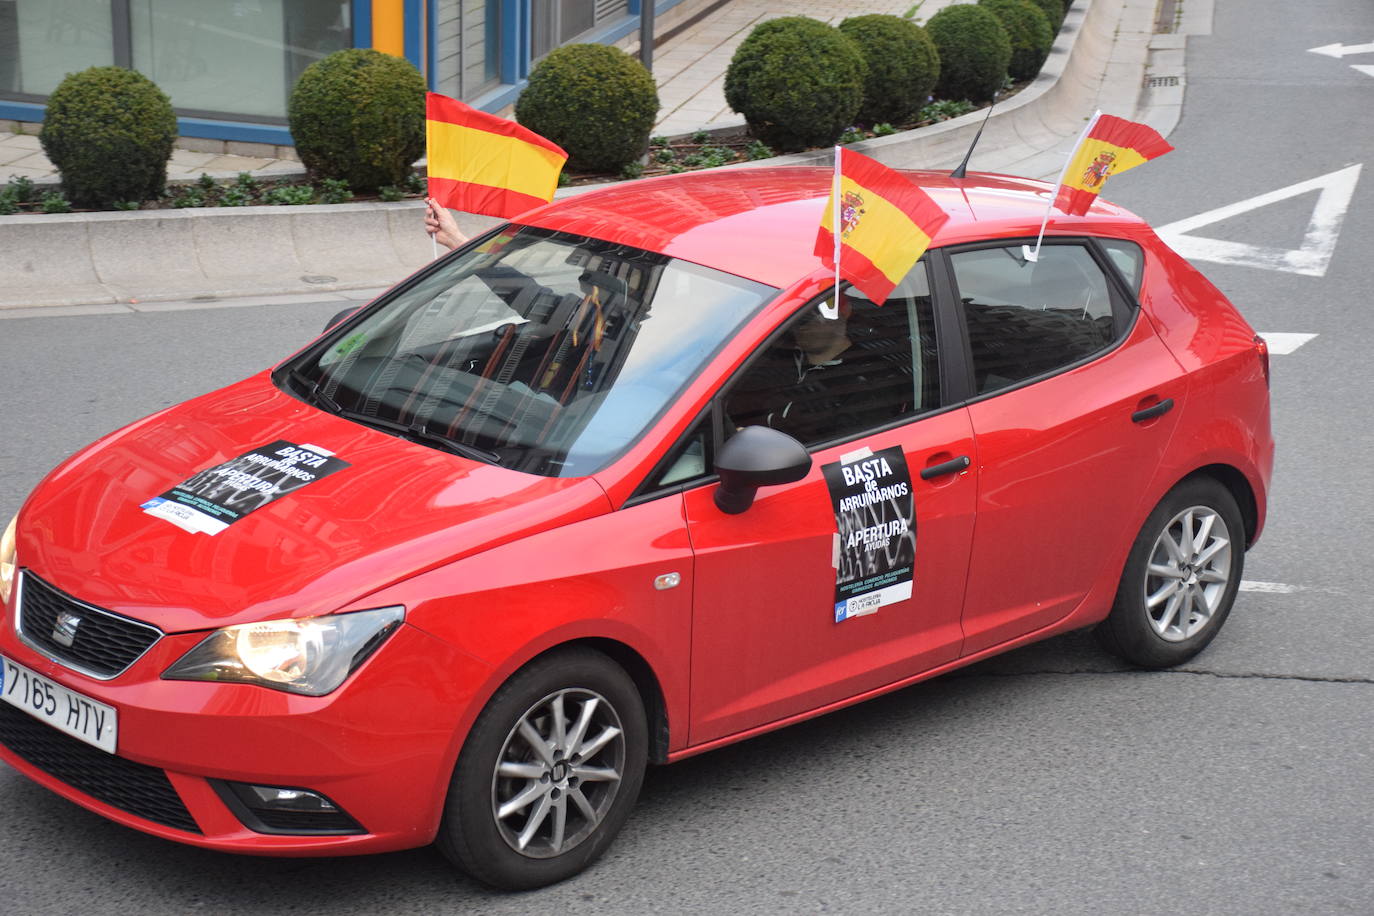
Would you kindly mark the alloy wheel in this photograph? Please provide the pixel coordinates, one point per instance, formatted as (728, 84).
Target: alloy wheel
(558, 773)
(1188, 573)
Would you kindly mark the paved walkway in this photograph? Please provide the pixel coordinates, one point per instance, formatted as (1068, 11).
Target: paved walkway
(690, 71)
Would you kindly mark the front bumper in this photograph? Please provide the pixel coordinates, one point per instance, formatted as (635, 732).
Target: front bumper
(381, 747)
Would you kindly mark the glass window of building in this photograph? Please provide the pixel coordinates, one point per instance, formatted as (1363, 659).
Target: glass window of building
(236, 59)
(41, 41)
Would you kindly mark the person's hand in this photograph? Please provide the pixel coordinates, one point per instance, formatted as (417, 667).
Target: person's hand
(441, 224)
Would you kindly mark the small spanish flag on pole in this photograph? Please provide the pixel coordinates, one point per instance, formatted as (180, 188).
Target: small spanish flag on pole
(484, 164)
(1110, 146)
(875, 227)
(1107, 146)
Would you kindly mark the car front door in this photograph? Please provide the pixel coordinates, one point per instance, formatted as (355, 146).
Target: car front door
(851, 578)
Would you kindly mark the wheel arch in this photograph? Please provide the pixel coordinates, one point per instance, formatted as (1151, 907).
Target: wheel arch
(641, 673)
(1240, 489)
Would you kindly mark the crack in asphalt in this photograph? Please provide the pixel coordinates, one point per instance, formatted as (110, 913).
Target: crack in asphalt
(1223, 675)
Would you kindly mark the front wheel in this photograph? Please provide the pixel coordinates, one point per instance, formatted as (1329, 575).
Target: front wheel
(549, 772)
(1180, 579)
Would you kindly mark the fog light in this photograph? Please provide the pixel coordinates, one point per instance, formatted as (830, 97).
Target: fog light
(280, 799)
(285, 810)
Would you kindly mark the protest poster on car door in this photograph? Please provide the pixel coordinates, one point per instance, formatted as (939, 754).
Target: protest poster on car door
(875, 520)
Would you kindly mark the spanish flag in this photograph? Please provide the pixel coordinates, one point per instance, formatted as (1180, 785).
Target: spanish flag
(881, 227)
(1109, 145)
(480, 163)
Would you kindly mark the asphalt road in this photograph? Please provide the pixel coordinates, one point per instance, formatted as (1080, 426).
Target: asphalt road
(1047, 781)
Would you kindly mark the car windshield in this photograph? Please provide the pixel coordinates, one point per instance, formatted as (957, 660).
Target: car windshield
(539, 351)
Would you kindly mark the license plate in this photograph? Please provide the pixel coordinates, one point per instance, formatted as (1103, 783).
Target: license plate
(65, 710)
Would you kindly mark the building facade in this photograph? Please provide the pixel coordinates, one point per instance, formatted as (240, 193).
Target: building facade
(229, 65)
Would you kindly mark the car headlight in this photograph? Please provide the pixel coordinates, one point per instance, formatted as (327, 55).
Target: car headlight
(311, 655)
(9, 567)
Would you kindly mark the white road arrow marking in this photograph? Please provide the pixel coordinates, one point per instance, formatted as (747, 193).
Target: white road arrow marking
(1339, 50)
(1281, 343)
(1318, 243)
(1366, 69)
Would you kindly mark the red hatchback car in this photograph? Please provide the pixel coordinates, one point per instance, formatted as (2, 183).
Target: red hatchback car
(605, 488)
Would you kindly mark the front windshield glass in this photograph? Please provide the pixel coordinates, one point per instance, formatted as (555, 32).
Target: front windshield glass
(539, 351)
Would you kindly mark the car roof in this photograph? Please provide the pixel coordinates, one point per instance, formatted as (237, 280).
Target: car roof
(761, 223)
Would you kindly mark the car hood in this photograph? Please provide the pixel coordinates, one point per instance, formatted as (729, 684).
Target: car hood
(396, 509)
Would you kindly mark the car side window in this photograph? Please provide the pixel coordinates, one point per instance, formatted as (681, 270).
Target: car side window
(1029, 318)
(1129, 258)
(823, 379)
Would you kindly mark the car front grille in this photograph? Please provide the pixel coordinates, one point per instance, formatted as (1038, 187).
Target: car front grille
(103, 644)
(142, 791)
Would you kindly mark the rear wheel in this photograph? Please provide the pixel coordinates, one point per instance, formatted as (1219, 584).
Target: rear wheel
(1180, 579)
(549, 772)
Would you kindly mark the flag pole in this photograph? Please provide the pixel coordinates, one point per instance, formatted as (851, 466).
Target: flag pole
(832, 312)
(1026, 249)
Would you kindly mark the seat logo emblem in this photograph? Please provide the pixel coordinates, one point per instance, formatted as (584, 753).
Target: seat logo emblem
(64, 631)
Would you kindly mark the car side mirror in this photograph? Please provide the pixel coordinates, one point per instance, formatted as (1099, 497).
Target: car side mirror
(754, 457)
(341, 317)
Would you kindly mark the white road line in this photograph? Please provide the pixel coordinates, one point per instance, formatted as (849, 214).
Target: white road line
(1273, 588)
(1281, 343)
(1319, 239)
(1366, 69)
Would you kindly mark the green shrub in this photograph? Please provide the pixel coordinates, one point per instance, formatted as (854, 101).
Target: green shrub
(1054, 10)
(109, 132)
(55, 202)
(902, 62)
(9, 204)
(945, 109)
(290, 195)
(358, 115)
(797, 81)
(757, 149)
(1030, 34)
(21, 188)
(595, 101)
(974, 52)
(390, 193)
(334, 191)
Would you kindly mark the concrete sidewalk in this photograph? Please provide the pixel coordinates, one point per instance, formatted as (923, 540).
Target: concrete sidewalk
(1108, 55)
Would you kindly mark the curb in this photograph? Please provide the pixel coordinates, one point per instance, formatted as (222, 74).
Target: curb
(217, 252)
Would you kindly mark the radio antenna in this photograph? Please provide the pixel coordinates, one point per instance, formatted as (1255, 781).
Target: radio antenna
(962, 170)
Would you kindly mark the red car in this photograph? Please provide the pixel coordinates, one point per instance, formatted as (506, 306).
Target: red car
(602, 489)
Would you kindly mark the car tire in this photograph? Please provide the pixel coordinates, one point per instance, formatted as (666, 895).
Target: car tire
(1180, 579)
(531, 801)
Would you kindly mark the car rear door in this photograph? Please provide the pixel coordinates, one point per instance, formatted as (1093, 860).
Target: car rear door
(1074, 399)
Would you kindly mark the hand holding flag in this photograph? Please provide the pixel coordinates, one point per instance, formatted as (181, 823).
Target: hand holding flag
(484, 164)
(876, 225)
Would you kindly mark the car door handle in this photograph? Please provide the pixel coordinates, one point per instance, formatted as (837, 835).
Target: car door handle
(945, 467)
(1156, 410)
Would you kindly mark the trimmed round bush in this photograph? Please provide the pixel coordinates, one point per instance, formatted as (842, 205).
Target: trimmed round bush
(902, 63)
(797, 81)
(595, 101)
(358, 115)
(974, 52)
(1030, 34)
(1054, 10)
(109, 131)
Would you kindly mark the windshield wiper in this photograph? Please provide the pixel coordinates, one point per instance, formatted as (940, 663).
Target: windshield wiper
(414, 432)
(418, 432)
